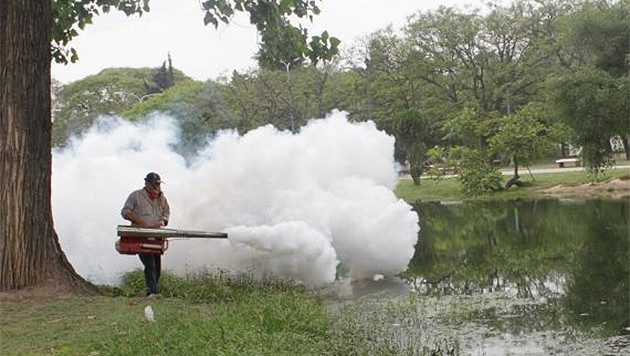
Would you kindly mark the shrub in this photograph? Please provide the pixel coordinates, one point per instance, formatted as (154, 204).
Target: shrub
(477, 176)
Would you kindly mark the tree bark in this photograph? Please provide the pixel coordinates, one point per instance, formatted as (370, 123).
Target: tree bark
(415, 170)
(30, 254)
(516, 177)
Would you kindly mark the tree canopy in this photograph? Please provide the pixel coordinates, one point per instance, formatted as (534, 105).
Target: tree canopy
(110, 92)
(469, 74)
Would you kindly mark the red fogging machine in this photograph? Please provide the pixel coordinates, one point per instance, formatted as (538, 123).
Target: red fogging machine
(134, 240)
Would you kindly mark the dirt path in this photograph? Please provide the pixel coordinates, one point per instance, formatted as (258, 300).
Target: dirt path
(614, 188)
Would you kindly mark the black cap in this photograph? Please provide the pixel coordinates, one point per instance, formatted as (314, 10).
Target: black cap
(153, 178)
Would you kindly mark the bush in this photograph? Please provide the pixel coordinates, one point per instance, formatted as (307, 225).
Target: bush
(477, 176)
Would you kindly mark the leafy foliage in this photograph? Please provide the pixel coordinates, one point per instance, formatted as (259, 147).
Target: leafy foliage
(285, 99)
(495, 61)
(283, 44)
(281, 41)
(70, 16)
(602, 31)
(163, 76)
(464, 128)
(110, 92)
(590, 102)
(524, 135)
(477, 176)
(410, 128)
(198, 107)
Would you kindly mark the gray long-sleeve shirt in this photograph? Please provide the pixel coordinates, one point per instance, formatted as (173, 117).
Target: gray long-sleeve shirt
(149, 210)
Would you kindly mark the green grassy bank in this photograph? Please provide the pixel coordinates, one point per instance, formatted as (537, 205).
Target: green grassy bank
(199, 316)
(448, 189)
(207, 315)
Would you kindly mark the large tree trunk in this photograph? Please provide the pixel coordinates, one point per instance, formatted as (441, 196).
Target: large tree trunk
(30, 254)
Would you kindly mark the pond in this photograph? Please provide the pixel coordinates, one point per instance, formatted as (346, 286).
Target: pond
(514, 277)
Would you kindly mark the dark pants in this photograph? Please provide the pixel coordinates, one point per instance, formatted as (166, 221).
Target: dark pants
(152, 267)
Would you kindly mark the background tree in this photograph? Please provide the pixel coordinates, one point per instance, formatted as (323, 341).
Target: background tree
(493, 62)
(29, 248)
(198, 108)
(394, 87)
(592, 104)
(110, 92)
(69, 17)
(468, 135)
(478, 176)
(600, 31)
(163, 77)
(284, 99)
(525, 136)
(411, 130)
(465, 128)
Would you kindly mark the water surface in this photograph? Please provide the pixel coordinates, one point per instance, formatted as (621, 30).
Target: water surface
(516, 277)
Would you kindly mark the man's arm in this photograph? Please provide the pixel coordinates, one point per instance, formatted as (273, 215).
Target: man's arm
(128, 214)
(131, 216)
(166, 212)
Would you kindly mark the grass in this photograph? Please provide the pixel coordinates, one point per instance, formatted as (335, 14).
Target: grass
(199, 315)
(448, 189)
(204, 315)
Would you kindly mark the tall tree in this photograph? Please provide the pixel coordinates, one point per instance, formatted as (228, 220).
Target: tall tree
(29, 248)
(601, 31)
(525, 136)
(495, 61)
(390, 69)
(163, 77)
(411, 130)
(595, 106)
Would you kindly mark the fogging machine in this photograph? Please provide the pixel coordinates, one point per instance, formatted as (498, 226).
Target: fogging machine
(134, 240)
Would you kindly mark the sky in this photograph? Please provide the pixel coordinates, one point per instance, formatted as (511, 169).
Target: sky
(203, 52)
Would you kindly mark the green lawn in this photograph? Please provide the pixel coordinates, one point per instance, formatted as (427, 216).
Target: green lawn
(200, 317)
(449, 188)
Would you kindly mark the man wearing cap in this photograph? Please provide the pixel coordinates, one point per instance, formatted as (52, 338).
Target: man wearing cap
(147, 207)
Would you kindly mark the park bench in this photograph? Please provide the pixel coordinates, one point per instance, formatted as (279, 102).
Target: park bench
(561, 162)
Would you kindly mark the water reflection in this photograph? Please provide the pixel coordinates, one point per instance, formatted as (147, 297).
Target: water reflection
(347, 289)
(569, 257)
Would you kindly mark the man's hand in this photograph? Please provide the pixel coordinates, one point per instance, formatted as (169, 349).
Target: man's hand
(157, 225)
(141, 222)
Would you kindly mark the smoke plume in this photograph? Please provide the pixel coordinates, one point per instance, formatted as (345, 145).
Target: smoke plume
(294, 205)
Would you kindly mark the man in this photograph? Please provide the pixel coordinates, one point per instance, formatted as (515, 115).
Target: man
(147, 207)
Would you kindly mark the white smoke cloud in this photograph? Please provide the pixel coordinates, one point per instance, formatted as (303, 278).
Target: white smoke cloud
(294, 205)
